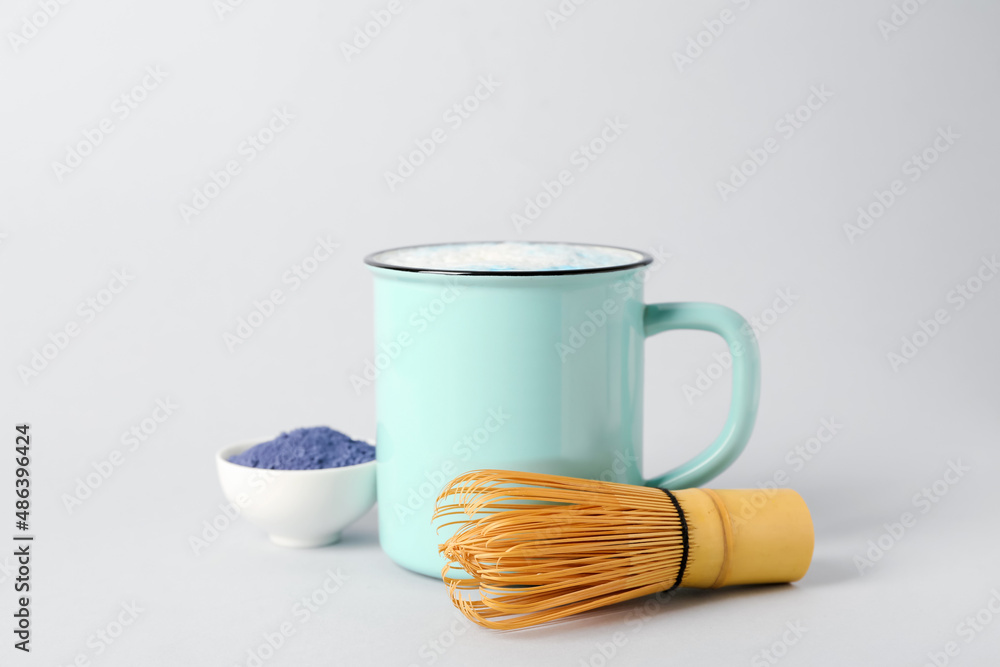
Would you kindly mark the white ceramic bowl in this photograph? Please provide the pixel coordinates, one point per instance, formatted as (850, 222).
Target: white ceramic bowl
(298, 508)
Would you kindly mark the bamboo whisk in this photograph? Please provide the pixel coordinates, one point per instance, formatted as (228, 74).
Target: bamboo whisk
(536, 548)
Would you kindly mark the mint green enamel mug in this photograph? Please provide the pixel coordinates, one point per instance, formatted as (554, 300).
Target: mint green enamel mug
(527, 366)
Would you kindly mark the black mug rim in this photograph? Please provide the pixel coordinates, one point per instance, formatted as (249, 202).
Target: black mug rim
(646, 259)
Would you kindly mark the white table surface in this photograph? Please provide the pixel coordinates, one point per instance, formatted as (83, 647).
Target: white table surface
(130, 544)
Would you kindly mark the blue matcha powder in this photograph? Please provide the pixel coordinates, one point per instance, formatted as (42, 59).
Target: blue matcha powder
(307, 449)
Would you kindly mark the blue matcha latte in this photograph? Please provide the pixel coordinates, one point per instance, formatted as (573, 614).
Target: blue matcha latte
(508, 256)
(307, 449)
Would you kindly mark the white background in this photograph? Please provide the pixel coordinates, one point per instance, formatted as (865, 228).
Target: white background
(656, 186)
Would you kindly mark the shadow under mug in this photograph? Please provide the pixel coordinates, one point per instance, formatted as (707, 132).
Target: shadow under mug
(537, 371)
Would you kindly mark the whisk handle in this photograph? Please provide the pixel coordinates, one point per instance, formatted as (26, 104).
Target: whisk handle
(745, 355)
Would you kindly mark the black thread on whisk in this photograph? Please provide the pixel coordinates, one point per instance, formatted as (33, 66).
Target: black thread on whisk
(684, 539)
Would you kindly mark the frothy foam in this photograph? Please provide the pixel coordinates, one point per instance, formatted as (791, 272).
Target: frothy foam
(508, 256)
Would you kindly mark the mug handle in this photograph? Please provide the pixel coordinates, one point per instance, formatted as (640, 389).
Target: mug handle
(742, 344)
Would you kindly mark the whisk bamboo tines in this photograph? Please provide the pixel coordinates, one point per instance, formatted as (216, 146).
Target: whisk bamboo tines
(535, 548)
